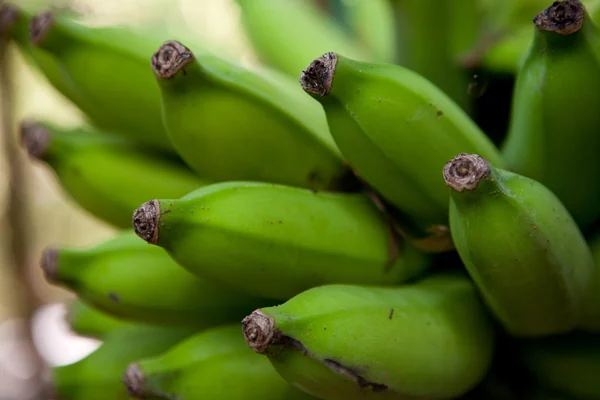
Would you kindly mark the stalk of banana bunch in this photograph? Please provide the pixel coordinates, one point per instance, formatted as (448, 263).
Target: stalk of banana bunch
(553, 136)
(397, 130)
(105, 174)
(129, 279)
(275, 240)
(427, 340)
(521, 247)
(214, 364)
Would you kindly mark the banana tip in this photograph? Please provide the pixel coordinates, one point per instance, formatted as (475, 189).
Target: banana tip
(35, 138)
(39, 26)
(317, 78)
(562, 17)
(465, 171)
(258, 329)
(134, 381)
(8, 15)
(170, 58)
(49, 264)
(145, 221)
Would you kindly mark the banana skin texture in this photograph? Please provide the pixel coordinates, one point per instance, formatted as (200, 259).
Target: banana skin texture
(520, 246)
(105, 175)
(108, 66)
(212, 365)
(276, 241)
(396, 130)
(428, 340)
(129, 279)
(86, 320)
(98, 376)
(567, 364)
(230, 123)
(553, 136)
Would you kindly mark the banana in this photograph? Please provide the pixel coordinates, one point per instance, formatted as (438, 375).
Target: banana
(213, 365)
(428, 340)
(234, 124)
(98, 376)
(568, 364)
(553, 136)
(108, 66)
(276, 241)
(592, 303)
(520, 246)
(129, 279)
(287, 34)
(105, 175)
(396, 129)
(86, 320)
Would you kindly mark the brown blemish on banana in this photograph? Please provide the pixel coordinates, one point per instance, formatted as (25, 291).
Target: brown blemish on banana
(465, 171)
(134, 381)
(260, 333)
(39, 26)
(49, 264)
(562, 17)
(171, 58)
(317, 78)
(35, 138)
(8, 15)
(145, 221)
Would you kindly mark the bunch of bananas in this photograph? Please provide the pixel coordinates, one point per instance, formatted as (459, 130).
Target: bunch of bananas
(374, 241)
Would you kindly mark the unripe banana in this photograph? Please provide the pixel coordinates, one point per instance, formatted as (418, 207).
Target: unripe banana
(396, 129)
(105, 175)
(234, 124)
(520, 246)
(276, 241)
(86, 320)
(129, 279)
(287, 34)
(98, 376)
(429, 340)
(592, 302)
(213, 365)
(108, 66)
(568, 364)
(553, 136)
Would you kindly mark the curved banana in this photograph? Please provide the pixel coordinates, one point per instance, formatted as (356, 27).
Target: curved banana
(86, 320)
(105, 175)
(592, 303)
(520, 246)
(129, 279)
(276, 241)
(428, 340)
(108, 66)
(568, 364)
(234, 124)
(553, 136)
(213, 365)
(98, 375)
(287, 34)
(396, 129)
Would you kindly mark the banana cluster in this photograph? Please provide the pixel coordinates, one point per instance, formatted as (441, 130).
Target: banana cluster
(372, 238)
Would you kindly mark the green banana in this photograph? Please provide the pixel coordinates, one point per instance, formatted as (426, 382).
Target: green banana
(287, 34)
(108, 66)
(568, 364)
(86, 320)
(520, 246)
(98, 376)
(553, 136)
(428, 340)
(396, 129)
(129, 279)
(213, 365)
(276, 241)
(592, 302)
(235, 124)
(105, 175)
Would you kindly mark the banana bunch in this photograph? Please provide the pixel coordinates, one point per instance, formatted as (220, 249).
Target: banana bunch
(354, 232)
